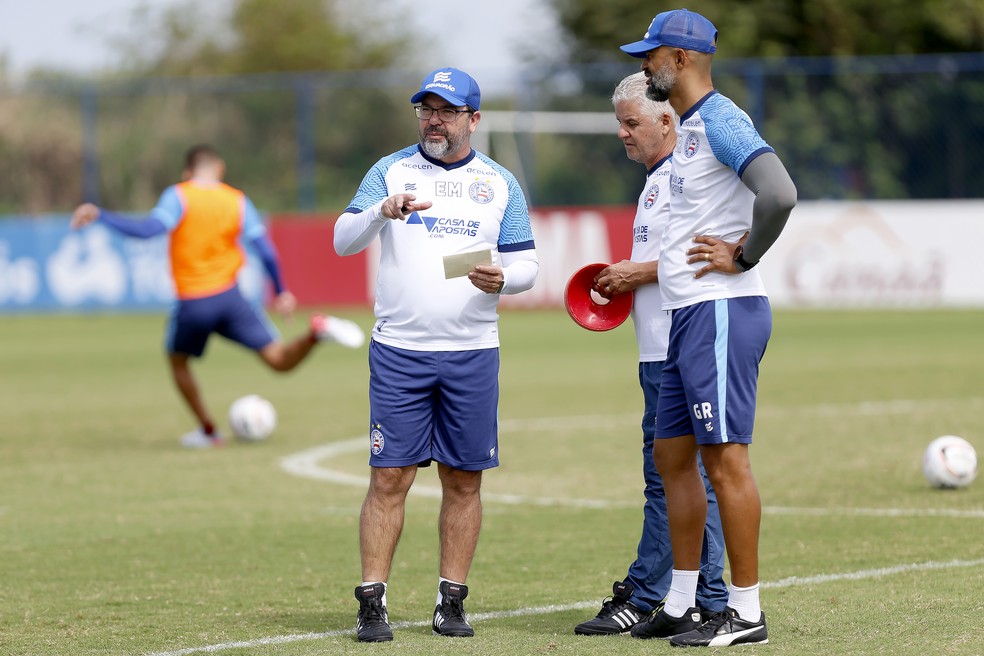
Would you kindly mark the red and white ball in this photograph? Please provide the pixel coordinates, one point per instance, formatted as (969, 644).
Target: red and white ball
(949, 462)
(252, 418)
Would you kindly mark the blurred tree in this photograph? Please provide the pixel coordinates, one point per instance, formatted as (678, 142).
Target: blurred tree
(844, 129)
(256, 36)
(766, 28)
(256, 124)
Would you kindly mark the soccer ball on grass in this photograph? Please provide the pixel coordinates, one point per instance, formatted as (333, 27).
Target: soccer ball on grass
(949, 462)
(252, 418)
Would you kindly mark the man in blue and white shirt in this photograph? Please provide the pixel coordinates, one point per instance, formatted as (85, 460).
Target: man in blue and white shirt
(730, 197)
(647, 130)
(454, 233)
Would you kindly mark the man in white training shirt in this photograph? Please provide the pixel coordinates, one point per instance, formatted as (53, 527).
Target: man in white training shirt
(454, 234)
(730, 197)
(646, 129)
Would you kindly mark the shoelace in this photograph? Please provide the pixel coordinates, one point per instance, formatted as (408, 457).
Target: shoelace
(717, 620)
(372, 612)
(655, 611)
(612, 605)
(452, 609)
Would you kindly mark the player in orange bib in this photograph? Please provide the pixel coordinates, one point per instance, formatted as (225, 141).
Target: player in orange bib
(208, 221)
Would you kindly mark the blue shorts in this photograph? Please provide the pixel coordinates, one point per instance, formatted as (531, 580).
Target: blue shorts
(228, 314)
(433, 405)
(710, 377)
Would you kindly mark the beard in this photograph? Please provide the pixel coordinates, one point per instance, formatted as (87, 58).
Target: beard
(661, 83)
(439, 149)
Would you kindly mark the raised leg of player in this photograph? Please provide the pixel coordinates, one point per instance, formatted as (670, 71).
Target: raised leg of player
(284, 356)
(381, 522)
(730, 472)
(460, 521)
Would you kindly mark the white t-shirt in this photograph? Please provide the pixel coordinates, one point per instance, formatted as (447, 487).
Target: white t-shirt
(715, 142)
(477, 204)
(652, 323)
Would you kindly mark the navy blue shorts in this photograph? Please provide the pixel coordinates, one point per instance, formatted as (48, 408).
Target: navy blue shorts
(433, 405)
(710, 377)
(227, 314)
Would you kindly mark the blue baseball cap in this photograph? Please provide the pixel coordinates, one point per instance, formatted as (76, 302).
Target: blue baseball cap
(456, 86)
(678, 28)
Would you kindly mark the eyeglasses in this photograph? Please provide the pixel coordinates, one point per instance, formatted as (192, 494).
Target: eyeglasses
(446, 114)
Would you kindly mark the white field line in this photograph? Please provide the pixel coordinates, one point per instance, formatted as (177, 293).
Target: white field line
(866, 408)
(580, 605)
(308, 463)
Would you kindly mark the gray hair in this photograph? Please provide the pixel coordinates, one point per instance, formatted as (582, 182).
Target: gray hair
(633, 89)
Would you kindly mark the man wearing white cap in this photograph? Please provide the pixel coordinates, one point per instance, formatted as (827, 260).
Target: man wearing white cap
(454, 234)
(730, 197)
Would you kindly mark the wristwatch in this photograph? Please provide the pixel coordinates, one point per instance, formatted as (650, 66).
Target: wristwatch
(740, 262)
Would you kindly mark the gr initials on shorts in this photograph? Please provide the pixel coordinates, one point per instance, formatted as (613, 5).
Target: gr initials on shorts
(710, 378)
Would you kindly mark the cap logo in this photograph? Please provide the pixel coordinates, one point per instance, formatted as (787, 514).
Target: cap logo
(455, 86)
(442, 85)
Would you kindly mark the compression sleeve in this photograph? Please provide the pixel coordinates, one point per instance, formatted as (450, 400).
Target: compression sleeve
(142, 228)
(519, 269)
(268, 255)
(354, 231)
(775, 197)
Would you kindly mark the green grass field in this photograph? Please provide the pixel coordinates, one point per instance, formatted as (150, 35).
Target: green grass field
(116, 541)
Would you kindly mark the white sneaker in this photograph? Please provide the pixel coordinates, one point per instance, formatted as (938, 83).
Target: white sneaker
(338, 330)
(198, 439)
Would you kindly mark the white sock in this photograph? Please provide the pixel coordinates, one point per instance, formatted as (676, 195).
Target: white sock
(365, 583)
(440, 596)
(683, 592)
(746, 602)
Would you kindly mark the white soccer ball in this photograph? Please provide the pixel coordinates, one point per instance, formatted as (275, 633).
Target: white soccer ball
(949, 462)
(252, 417)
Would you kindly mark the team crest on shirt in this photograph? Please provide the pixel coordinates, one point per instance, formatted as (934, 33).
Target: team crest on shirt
(376, 441)
(692, 145)
(652, 194)
(481, 192)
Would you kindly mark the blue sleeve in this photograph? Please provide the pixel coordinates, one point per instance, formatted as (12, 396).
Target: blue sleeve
(516, 233)
(268, 255)
(732, 136)
(169, 209)
(141, 228)
(253, 226)
(373, 188)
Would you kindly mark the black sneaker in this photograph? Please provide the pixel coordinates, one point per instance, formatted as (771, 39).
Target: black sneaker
(449, 617)
(724, 629)
(660, 625)
(617, 615)
(373, 623)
